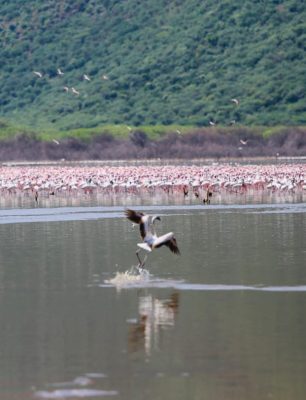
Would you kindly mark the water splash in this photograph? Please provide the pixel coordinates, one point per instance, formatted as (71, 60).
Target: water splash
(132, 277)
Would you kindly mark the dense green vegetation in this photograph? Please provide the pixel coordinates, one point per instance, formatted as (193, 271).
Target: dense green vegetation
(152, 62)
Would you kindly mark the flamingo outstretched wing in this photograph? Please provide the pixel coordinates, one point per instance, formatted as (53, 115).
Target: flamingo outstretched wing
(167, 240)
(136, 217)
(173, 246)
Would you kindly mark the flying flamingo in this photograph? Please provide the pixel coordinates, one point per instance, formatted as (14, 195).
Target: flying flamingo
(147, 232)
(37, 73)
(74, 91)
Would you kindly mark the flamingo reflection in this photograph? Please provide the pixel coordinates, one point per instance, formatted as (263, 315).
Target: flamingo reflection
(155, 315)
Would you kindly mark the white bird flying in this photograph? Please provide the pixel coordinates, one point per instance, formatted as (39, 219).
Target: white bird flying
(66, 88)
(37, 73)
(244, 142)
(60, 72)
(147, 232)
(74, 91)
(236, 101)
(86, 77)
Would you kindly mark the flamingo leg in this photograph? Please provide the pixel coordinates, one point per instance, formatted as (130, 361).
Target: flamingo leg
(141, 263)
(137, 251)
(144, 261)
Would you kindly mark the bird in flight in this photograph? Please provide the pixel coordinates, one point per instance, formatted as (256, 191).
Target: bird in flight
(74, 91)
(37, 73)
(147, 232)
(236, 101)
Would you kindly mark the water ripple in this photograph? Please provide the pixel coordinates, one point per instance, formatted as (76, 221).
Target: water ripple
(181, 285)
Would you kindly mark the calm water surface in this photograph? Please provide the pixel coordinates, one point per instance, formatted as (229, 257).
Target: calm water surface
(225, 320)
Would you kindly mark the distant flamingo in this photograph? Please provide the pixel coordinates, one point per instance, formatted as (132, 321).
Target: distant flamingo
(206, 199)
(37, 73)
(196, 193)
(74, 91)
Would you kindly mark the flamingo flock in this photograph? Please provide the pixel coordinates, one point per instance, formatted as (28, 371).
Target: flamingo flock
(187, 180)
(60, 73)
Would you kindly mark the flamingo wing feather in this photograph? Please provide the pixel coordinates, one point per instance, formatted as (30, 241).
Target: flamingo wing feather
(172, 244)
(136, 217)
(167, 240)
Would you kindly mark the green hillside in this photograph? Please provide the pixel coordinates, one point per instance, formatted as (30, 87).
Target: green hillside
(152, 62)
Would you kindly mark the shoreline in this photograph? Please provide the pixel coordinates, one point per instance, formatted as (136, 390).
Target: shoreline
(157, 161)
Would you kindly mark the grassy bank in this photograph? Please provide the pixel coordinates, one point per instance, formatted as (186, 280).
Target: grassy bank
(115, 142)
(9, 130)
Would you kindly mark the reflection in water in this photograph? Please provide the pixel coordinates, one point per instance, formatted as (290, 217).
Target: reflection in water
(154, 316)
(145, 199)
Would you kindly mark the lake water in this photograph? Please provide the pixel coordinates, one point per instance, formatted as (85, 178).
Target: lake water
(225, 320)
